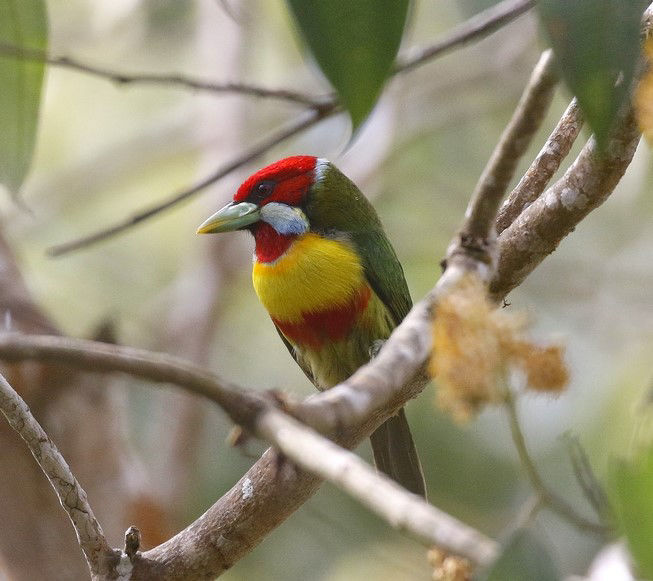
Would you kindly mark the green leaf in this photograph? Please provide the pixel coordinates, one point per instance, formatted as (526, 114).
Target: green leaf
(594, 41)
(632, 487)
(23, 24)
(355, 43)
(523, 559)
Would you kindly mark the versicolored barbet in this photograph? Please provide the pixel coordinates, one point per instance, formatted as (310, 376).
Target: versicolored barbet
(329, 278)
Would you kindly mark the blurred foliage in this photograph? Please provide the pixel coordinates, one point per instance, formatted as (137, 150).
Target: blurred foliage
(596, 43)
(23, 24)
(644, 95)
(632, 484)
(355, 44)
(523, 558)
(105, 151)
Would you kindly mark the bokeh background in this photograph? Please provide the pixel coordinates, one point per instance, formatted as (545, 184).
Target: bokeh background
(107, 150)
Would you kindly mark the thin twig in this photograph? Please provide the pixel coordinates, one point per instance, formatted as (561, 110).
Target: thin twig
(515, 139)
(296, 126)
(165, 80)
(550, 499)
(475, 28)
(586, 478)
(544, 166)
(99, 556)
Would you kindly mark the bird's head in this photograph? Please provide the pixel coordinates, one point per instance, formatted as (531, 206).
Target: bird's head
(275, 195)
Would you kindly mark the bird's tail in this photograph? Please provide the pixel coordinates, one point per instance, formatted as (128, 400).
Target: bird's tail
(395, 453)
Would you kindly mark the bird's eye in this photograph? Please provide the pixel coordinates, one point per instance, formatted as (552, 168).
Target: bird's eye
(261, 191)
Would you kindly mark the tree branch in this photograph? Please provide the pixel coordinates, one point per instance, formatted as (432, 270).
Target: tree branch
(544, 166)
(100, 357)
(477, 27)
(403, 510)
(165, 80)
(538, 230)
(100, 557)
(298, 442)
(514, 142)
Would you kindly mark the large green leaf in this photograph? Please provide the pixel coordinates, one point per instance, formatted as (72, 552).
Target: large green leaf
(632, 487)
(594, 42)
(23, 24)
(523, 559)
(355, 43)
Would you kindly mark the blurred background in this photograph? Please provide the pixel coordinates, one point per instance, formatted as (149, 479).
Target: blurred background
(107, 150)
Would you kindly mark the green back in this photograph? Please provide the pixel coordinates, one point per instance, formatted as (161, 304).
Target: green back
(336, 207)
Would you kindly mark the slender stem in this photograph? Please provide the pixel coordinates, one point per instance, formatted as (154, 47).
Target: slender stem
(549, 499)
(95, 356)
(515, 139)
(586, 478)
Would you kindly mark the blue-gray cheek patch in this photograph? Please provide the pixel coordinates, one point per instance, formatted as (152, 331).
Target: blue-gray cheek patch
(285, 219)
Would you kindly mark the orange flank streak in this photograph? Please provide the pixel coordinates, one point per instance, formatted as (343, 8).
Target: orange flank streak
(331, 324)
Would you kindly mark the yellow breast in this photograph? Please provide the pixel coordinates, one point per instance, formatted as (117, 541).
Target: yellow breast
(315, 273)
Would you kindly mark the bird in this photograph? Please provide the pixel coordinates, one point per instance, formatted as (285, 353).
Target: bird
(330, 280)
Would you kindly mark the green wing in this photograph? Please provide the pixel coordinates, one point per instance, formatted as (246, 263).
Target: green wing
(384, 272)
(337, 207)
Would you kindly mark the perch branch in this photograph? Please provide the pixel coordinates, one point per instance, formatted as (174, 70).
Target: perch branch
(99, 556)
(298, 442)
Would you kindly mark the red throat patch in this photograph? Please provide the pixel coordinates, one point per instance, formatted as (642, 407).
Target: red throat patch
(270, 245)
(327, 325)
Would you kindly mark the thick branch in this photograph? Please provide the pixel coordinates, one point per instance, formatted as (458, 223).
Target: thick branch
(539, 229)
(100, 557)
(403, 510)
(543, 168)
